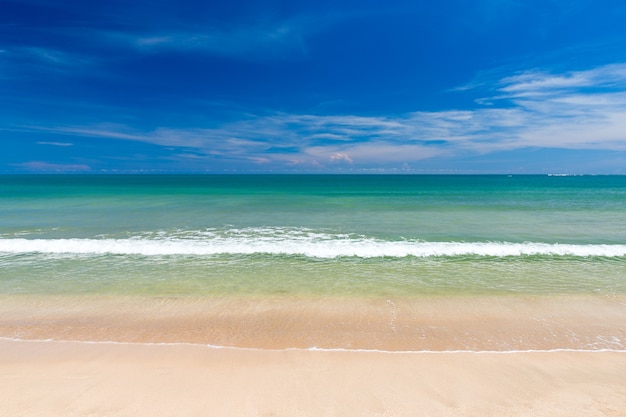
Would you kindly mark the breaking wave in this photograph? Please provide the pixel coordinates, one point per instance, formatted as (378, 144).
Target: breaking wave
(280, 241)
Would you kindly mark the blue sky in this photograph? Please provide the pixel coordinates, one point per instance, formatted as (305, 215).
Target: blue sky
(483, 86)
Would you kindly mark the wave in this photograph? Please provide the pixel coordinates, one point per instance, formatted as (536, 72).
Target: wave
(295, 242)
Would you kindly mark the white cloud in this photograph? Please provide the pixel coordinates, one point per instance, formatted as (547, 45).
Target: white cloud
(338, 157)
(64, 144)
(576, 110)
(375, 153)
(52, 167)
(114, 131)
(543, 85)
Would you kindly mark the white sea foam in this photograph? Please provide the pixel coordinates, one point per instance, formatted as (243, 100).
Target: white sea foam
(295, 242)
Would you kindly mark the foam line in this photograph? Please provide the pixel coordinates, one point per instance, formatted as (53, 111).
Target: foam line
(316, 247)
(316, 349)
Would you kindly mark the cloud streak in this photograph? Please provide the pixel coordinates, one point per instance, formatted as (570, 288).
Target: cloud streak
(51, 167)
(534, 109)
(539, 83)
(245, 42)
(62, 144)
(242, 41)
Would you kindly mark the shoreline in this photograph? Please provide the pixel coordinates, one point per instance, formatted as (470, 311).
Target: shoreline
(450, 324)
(160, 363)
(312, 349)
(78, 379)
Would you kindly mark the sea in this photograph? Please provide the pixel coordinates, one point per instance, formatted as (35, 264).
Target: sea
(312, 235)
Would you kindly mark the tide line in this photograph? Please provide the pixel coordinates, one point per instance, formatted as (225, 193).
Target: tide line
(313, 348)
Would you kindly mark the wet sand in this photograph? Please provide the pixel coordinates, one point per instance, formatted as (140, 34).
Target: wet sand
(124, 356)
(399, 324)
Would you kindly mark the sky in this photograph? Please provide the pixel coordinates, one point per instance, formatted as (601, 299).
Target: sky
(341, 86)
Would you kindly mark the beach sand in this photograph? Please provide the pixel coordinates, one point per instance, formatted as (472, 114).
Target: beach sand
(121, 356)
(99, 379)
(398, 324)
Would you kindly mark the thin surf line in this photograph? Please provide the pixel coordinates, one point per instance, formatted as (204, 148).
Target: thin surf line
(313, 348)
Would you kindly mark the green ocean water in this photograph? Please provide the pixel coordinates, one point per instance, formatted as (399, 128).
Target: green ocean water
(362, 235)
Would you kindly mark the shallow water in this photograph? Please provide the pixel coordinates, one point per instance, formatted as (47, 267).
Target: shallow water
(312, 235)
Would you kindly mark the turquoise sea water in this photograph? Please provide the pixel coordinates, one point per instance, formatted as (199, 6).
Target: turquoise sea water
(312, 235)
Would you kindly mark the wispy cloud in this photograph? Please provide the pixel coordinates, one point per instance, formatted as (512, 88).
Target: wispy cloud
(51, 167)
(340, 157)
(534, 109)
(247, 40)
(23, 62)
(97, 50)
(62, 144)
(575, 110)
(236, 41)
(543, 83)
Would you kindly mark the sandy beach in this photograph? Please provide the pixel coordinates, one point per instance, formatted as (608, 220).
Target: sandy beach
(120, 356)
(476, 323)
(102, 379)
